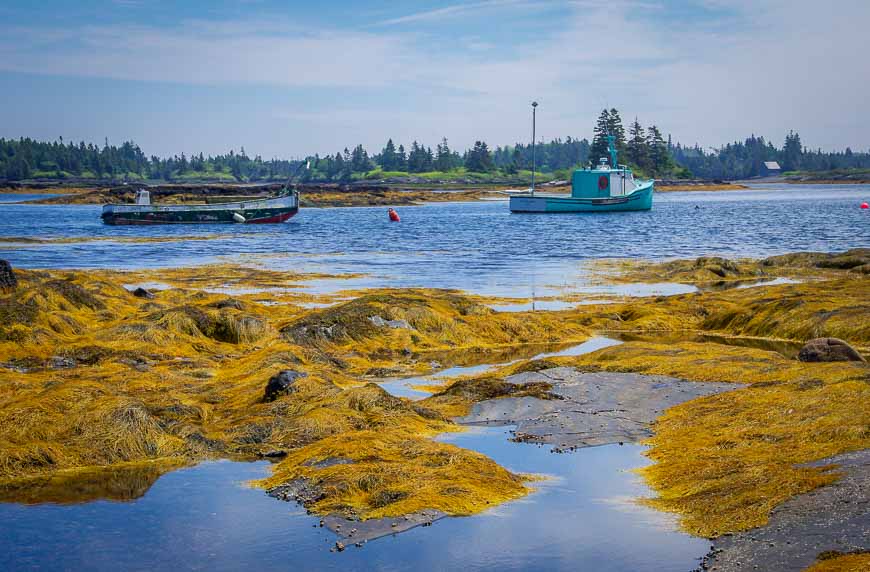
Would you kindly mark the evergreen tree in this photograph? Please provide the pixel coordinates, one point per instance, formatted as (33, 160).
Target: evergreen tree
(599, 137)
(359, 160)
(479, 159)
(402, 159)
(636, 150)
(18, 168)
(614, 124)
(792, 151)
(659, 151)
(445, 159)
(389, 159)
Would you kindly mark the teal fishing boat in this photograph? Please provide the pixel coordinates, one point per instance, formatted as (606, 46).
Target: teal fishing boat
(606, 187)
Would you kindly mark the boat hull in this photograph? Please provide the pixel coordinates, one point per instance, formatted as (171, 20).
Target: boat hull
(639, 200)
(258, 211)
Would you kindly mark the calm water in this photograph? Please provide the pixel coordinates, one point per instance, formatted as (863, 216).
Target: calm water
(479, 247)
(205, 518)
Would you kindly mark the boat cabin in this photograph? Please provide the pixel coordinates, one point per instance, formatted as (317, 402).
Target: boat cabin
(607, 179)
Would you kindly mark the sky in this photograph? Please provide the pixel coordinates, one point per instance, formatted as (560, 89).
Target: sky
(286, 79)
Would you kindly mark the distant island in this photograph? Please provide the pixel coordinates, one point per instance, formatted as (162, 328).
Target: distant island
(645, 150)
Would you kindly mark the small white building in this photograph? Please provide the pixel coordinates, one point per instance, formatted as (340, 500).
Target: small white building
(772, 168)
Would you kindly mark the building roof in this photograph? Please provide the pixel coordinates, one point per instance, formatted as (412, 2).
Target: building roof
(772, 165)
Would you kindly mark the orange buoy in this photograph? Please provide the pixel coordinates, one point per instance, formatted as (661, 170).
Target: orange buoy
(864, 205)
(394, 216)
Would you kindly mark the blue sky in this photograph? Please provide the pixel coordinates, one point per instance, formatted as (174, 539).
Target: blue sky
(288, 78)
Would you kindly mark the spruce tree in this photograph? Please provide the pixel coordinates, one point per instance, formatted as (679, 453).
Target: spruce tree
(614, 123)
(791, 152)
(599, 139)
(479, 159)
(359, 160)
(402, 159)
(637, 152)
(659, 154)
(388, 159)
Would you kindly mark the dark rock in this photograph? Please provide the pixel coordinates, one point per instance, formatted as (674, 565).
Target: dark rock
(228, 303)
(8, 281)
(828, 349)
(274, 454)
(143, 293)
(203, 441)
(61, 362)
(282, 384)
(304, 491)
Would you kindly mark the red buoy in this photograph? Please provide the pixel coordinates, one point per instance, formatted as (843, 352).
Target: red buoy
(864, 205)
(394, 216)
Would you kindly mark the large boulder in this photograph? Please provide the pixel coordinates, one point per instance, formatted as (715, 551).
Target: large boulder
(8, 281)
(281, 384)
(828, 349)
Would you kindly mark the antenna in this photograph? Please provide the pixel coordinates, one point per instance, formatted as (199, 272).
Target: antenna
(534, 109)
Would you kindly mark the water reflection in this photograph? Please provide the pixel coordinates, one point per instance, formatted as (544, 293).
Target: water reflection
(207, 518)
(120, 483)
(404, 387)
(486, 250)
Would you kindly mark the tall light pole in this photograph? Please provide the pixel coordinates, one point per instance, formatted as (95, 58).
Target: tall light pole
(534, 109)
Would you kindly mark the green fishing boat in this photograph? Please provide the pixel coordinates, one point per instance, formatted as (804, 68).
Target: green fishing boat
(275, 209)
(607, 187)
(266, 210)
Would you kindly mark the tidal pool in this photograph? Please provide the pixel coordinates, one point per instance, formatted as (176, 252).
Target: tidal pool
(207, 518)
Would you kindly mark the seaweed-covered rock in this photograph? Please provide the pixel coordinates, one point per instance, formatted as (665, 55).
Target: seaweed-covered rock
(8, 281)
(228, 303)
(828, 349)
(281, 384)
(395, 324)
(75, 294)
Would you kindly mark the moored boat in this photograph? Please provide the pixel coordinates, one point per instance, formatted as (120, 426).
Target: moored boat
(607, 187)
(266, 210)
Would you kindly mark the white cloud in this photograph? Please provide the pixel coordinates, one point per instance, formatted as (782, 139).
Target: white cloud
(789, 65)
(447, 12)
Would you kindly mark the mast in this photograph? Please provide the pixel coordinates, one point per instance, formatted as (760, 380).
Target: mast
(611, 148)
(534, 108)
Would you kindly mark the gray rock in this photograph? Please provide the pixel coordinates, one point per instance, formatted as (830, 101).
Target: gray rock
(229, 303)
(363, 531)
(594, 409)
(143, 293)
(395, 324)
(8, 281)
(828, 349)
(282, 384)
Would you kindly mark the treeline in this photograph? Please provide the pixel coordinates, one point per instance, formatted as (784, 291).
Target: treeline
(644, 149)
(419, 158)
(26, 158)
(741, 160)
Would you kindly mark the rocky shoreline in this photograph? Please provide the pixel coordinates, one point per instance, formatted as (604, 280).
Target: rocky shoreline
(93, 374)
